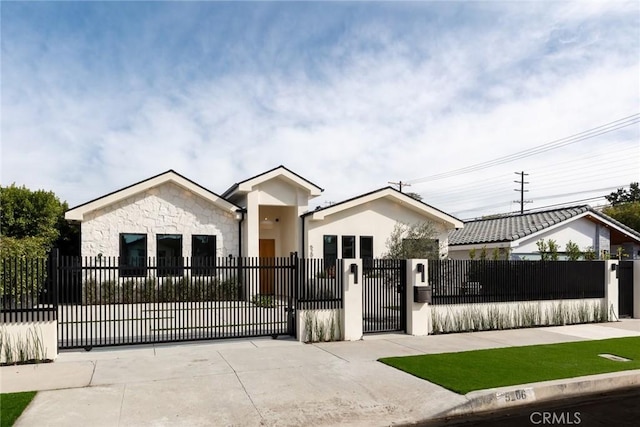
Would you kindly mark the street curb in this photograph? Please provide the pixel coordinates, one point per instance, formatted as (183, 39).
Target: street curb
(526, 394)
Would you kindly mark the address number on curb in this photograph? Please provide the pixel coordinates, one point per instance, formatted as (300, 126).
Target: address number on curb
(516, 396)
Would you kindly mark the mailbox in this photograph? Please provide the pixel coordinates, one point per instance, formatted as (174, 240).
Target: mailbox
(422, 294)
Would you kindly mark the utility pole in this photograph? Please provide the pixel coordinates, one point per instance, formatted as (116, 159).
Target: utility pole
(522, 182)
(400, 184)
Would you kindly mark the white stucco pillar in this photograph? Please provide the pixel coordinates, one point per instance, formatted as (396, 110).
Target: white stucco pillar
(611, 290)
(351, 299)
(418, 314)
(636, 289)
(252, 248)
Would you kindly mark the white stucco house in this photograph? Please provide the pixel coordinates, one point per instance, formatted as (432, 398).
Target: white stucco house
(518, 234)
(267, 215)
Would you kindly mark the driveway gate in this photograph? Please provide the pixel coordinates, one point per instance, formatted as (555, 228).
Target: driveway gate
(102, 303)
(384, 301)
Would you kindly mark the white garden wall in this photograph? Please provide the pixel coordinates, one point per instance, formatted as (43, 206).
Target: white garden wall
(320, 325)
(507, 315)
(166, 209)
(30, 333)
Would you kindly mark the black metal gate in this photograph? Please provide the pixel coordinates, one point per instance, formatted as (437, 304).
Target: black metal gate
(384, 295)
(625, 288)
(102, 303)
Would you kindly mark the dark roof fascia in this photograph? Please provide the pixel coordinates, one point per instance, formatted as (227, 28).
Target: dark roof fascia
(373, 192)
(237, 184)
(149, 179)
(615, 222)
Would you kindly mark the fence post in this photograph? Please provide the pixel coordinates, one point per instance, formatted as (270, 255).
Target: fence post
(54, 282)
(636, 289)
(611, 290)
(418, 313)
(352, 298)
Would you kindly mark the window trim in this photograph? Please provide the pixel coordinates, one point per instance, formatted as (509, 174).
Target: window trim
(171, 270)
(209, 267)
(124, 268)
(353, 246)
(329, 261)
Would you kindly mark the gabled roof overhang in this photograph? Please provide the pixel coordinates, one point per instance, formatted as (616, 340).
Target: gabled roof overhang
(77, 213)
(395, 196)
(279, 172)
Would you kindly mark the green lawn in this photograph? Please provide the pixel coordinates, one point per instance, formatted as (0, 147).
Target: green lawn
(12, 405)
(481, 369)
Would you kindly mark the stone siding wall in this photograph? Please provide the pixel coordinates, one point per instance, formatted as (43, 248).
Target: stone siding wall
(167, 209)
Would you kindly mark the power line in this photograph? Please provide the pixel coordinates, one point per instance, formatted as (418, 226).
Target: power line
(558, 143)
(548, 197)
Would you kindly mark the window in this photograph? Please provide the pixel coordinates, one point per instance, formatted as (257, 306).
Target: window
(421, 248)
(203, 255)
(348, 246)
(169, 254)
(366, 250)
(330, 250)
(133, 255)
(366, 247)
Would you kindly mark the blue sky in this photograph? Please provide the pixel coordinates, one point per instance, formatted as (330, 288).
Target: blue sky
(98, 95)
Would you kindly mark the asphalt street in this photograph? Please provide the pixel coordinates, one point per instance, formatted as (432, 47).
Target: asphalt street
(616, 409)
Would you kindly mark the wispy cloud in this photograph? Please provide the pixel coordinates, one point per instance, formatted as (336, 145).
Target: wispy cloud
(348, 95)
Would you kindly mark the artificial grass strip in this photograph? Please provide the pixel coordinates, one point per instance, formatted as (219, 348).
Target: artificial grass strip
(482, 369)
(12, 405)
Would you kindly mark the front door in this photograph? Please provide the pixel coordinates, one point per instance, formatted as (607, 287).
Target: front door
(267, 250)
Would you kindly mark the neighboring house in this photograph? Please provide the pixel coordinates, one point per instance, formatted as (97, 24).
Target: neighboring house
(169, 216)
(518, 234)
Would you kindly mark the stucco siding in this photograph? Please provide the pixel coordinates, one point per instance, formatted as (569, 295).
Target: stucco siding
(377, 218)
(581, 231)
(166, 209)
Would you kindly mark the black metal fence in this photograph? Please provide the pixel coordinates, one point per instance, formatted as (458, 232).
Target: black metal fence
(174, 300)
(25, 290)
(384, 301)
(97, 302)
(320, 284)
(465, 281)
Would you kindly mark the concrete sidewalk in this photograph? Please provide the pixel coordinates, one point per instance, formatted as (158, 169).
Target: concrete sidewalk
(280, 382)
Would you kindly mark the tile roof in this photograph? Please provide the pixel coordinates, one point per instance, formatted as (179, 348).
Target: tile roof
(514, 227)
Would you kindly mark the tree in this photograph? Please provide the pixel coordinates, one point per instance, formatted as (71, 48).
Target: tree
(573, 251)
(626, 213)
(414, 196)
(35, 214)
(413, 241)
(548, 250)
(622, 196)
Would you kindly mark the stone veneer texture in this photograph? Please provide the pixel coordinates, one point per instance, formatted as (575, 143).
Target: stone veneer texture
(166, 209)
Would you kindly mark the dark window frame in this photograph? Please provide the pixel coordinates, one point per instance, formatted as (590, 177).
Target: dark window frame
(203, 265)
(345, 245)
(329, 257)
(172, 265)
(367, 260)
(127, 268)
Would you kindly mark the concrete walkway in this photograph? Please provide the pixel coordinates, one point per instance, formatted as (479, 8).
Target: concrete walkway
(279, 382)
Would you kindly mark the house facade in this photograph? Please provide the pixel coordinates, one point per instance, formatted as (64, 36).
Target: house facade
(516, 237)
(169, 216)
